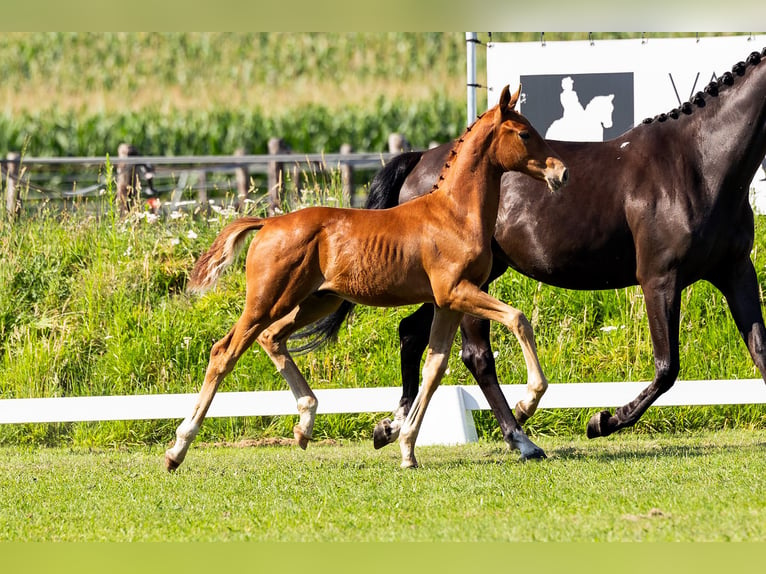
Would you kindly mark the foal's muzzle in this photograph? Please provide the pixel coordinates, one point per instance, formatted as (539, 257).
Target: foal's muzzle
(556, 174)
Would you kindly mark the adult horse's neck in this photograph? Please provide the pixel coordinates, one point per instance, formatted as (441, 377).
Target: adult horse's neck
(470, 179)
(729, 126)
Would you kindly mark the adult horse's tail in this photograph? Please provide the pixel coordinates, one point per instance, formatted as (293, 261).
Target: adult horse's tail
(222, 253)
(383, 193)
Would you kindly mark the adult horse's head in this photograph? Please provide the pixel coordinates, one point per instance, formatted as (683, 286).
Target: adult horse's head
(517, 145)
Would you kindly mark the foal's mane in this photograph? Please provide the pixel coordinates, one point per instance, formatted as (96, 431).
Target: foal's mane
(454, 151)
(711, 90)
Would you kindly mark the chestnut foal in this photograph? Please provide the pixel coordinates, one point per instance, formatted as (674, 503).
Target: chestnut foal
(302, 265)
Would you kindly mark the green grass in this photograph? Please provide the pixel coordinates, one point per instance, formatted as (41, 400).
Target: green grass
(700, 487)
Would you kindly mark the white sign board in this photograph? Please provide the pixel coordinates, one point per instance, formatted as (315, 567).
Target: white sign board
(593, 91)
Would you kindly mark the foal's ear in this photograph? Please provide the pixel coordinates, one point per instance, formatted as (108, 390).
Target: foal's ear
(508, 101)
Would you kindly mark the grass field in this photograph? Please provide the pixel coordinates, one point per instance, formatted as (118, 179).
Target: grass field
(693, 487)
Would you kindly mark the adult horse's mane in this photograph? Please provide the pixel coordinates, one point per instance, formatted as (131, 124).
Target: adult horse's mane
(711, 90)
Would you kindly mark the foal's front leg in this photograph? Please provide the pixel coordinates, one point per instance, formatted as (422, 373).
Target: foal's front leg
(413, 340)
(443, 329)
(471, 300)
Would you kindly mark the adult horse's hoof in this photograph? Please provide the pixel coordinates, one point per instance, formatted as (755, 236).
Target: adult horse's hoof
(598, 425)
(383, 434)
(527, 449)
(300, 438)
(537, 454)
(170, 464)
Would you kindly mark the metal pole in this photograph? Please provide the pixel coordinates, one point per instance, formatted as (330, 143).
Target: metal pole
(471, 39)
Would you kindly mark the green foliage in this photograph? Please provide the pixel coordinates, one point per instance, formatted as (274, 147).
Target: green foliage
(313, 128)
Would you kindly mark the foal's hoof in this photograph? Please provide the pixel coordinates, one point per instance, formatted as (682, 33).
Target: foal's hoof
(598, 425)
(409, 463)
(383, 434)
(170, 464)
(300, 438)
(521, 414)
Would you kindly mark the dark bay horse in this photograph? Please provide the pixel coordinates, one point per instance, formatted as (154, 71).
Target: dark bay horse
(301, 266)
(662, 206)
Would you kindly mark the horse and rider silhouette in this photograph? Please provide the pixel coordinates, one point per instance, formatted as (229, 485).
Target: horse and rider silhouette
(579, 123)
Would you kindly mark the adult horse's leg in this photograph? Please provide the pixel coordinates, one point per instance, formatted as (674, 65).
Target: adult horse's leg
(413, 340)
(273, 340)
(662, 296)
(443, 329)
(476, 355)
(223, 357)
(480, 361)
(469, 299)
(739, 284)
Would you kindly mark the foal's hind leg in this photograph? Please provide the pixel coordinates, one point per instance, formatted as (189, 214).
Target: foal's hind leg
(273, 340)
(223, 357)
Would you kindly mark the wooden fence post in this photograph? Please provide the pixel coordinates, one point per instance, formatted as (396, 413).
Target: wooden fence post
(397, 143)
(12, 201)
(243, 178)
(202, 199)
(127, 179)
(347, 175)
(276, 175)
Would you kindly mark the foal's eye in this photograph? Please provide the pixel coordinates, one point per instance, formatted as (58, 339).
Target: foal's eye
(524, 135)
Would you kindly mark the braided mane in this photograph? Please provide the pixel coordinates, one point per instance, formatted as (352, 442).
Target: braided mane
(454, 151)
(711, 90)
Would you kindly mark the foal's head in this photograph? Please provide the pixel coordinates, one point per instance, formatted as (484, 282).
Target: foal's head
(518, 147)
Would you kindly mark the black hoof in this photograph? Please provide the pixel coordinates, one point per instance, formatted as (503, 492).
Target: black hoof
(527, 449)
(537, 454)
(381, 435)
(598, 425)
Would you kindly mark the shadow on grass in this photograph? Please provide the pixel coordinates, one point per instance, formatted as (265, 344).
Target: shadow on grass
(651, 450)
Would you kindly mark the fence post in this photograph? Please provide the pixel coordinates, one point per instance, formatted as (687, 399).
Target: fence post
(12, 201)
(347, 175)
(397, 143)
(127, 179)
(202, 199)
(242, 177)
(276, 175)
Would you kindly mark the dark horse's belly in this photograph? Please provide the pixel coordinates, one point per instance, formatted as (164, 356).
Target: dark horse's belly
(570, 239)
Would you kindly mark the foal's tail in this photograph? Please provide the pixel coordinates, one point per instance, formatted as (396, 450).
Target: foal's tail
(383, 193)
(221, 254)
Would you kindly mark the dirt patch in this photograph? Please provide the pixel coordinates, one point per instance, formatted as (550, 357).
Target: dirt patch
(653, 513)
(269, 441)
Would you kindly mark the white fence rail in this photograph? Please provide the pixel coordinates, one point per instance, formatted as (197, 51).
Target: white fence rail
(448, 419)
